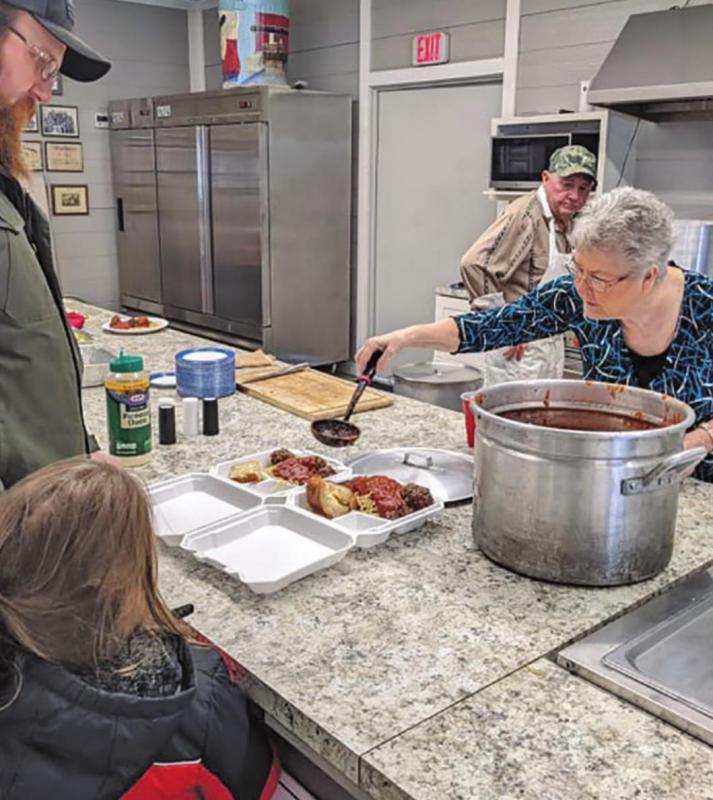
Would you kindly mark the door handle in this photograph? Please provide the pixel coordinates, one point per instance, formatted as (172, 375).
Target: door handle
(120, 213)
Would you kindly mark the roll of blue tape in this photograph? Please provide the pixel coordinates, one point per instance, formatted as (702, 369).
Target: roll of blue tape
(205, 372)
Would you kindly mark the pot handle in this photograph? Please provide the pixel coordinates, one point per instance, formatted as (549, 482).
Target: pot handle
(669, 471)
(415, 460)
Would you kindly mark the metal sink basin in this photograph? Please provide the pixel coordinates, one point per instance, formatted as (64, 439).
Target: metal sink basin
(659, 657)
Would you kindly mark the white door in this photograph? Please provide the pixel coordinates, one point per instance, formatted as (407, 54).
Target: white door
(432, 168)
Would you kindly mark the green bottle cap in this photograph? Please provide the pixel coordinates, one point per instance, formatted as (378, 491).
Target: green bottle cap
(126, 363)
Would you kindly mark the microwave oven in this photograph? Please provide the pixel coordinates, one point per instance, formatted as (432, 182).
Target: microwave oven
(517, 160)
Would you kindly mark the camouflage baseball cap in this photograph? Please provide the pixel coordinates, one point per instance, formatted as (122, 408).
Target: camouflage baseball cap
(573, 160)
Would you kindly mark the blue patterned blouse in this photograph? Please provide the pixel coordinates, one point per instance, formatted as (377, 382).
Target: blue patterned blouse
(556, 307)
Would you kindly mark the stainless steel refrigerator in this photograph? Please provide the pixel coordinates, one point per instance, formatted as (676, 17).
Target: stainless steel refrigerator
(252, 217)
(134, 171)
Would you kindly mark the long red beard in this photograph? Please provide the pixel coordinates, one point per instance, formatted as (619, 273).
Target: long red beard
(13, 122)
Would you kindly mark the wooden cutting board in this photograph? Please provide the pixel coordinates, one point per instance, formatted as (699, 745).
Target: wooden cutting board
(312, 394)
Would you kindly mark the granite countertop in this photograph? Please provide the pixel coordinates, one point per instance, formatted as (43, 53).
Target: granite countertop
(541, 733)
(405, 634)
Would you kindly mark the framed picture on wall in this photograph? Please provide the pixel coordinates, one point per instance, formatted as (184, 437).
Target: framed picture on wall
(64, 156)
(32, 125)
(70, 200)
(32, 152)
(60, 121)
(57, 87)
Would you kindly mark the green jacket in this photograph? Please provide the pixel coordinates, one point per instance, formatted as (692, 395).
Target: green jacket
(40, 365)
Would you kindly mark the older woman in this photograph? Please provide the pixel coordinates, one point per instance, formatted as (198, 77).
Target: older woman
(638, 321)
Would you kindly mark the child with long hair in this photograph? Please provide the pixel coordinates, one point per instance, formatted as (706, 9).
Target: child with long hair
(102, 692)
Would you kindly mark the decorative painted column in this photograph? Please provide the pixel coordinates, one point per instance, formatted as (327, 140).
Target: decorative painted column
(254, 38)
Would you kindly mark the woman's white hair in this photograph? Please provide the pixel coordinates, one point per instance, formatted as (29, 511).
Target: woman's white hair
(634, 225)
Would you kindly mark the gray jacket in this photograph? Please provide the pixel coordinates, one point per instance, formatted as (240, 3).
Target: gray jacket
(40, 366)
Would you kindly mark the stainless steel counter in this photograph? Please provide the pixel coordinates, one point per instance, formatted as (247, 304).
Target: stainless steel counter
(659, 657)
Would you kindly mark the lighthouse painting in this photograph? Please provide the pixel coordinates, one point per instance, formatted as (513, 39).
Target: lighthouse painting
(254, 41)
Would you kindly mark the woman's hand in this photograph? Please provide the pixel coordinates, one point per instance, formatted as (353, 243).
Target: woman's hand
(441, 335)
(390, 343)
(702, 436)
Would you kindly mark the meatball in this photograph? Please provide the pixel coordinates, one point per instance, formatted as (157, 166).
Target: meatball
(416, 497)
(277, 456)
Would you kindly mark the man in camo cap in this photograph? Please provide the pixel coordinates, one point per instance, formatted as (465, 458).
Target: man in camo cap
(528, 245)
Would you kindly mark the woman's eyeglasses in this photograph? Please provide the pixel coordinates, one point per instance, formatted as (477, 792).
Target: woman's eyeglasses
(594, 283)
(49, 68)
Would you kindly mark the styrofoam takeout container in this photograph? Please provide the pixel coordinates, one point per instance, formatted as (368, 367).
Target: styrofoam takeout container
(267, 540)
(186, 504)
(273, 486)
(367, 529)
(270, 547)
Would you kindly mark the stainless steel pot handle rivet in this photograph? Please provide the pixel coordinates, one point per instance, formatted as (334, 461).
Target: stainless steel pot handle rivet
(420, 462)
(669, 471)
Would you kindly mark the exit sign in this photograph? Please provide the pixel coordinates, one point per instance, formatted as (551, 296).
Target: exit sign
(430, 48)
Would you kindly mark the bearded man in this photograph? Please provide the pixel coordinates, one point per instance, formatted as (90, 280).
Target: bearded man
(40, 367)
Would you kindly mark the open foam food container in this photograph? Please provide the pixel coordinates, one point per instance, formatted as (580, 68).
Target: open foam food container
(188, 503)
(368, 530)
(270, 547)
(274, 487)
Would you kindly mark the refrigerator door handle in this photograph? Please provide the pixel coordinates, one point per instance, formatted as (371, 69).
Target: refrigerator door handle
(204, 219)
(120, 214)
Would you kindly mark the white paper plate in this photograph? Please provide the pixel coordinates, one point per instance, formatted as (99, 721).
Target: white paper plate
(158, 325)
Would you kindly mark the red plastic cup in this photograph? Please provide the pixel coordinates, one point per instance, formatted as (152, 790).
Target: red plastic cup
(75, 319)
(466, 397)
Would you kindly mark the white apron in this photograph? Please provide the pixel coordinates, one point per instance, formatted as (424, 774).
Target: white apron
(543, 358)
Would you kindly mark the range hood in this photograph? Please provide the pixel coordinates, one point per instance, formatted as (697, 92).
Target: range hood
(661, 66)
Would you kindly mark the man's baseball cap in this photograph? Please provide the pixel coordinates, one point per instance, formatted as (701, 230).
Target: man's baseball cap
(80, 63)
(573, 160)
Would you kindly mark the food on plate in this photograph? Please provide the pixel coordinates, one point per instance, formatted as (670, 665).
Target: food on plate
(284, 466)
(131, 322)
(416, 497)
(372, 494)
(299, 469)
(247, 472)
(377, 494)
(280, 455)
(330, 499)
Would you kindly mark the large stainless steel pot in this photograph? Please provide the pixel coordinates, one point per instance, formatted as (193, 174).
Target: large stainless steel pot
(579, 506)
(440, 383)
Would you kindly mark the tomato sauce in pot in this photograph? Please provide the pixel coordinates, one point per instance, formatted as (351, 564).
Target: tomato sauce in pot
(580, 419)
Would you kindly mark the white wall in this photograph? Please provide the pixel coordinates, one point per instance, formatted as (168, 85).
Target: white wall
(324, 45)
(147, 46)
(564, 42)
(211, 33)
(477, 29)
